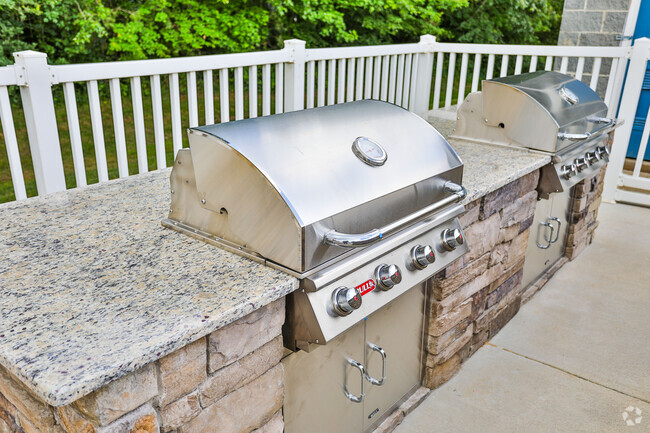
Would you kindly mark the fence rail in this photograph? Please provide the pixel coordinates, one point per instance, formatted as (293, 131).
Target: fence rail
(126, 117)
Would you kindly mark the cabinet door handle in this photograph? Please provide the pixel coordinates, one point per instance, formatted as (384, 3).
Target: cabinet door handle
(557, 231)
(348, 394)
(548, 240)
(369, 378)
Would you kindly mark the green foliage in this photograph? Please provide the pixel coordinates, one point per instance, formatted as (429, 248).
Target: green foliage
(165, 28)
(61, 28)
(71, 31)
(324, 23)
(506, 22)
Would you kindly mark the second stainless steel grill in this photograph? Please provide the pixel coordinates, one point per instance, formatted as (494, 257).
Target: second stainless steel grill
(551, 113)
(544, 111)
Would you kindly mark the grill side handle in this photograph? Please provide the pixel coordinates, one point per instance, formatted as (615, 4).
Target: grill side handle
(349, 240)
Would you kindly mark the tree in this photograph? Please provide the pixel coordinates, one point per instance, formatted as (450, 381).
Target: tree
(165, 28)
(325, 23)
(505, 22)
(72, 31)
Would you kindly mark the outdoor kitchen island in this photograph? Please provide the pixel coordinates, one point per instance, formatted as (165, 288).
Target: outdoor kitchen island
(112, 323)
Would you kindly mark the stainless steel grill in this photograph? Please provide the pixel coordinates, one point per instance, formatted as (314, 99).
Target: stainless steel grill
(304, 190)
(551, 113)
(544, 111)
(359, 201)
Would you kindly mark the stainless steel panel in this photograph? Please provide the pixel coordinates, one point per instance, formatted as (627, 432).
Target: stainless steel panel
(397, 329)
(233, 202)
(523, 121)
(562, 210)
(314, 399)
(310, 316)
(537, 258)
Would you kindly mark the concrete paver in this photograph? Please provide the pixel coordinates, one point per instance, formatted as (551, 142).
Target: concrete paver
(574, 358)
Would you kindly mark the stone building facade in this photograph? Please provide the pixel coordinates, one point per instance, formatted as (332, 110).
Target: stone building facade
(593, 23)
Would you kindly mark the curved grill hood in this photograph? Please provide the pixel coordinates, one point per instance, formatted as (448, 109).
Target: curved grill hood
(529, 110)
(274, 185)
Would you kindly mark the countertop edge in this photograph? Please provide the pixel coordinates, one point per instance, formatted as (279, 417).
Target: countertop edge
(66, 395)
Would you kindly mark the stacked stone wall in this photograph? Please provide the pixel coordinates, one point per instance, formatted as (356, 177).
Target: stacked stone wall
(584, 213)
(230, 381)
(474, 297)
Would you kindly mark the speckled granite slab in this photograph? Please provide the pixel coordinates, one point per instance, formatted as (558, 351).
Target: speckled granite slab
(92, 287)
(489, 167)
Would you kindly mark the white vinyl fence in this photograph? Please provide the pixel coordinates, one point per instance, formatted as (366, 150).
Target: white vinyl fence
(202, 90)
(630, 187)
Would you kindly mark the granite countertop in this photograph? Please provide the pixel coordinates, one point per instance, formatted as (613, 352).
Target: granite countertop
(489, 167)
(92, 287)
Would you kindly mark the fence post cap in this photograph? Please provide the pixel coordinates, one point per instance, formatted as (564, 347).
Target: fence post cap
(427, 39)
(29, 54)
(294, 43)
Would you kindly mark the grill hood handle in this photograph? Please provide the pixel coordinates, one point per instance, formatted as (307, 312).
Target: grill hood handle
(608, 123)
(349, 240)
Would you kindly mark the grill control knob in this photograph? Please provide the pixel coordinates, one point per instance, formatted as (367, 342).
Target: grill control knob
(451, 238)
(592, 157)
(603, 152)
(387, 276)
(569, 170)
(581, 164)
(345, 300)
(422, 256)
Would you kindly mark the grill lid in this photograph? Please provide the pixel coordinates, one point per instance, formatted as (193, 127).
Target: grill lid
(327, 160)
(280, 185)
(543, 110)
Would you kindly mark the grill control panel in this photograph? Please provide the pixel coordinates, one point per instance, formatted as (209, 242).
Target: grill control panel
(390, 274)
(579, 161)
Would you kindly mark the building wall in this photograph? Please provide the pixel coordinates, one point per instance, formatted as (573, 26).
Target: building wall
(592, 23)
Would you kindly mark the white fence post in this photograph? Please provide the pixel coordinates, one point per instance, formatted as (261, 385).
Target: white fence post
(38, 105)
(424, 75)
(629, 102)
(294, 76)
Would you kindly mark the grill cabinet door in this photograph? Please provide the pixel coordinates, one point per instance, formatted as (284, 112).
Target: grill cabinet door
(561, 210)
(537, 257)
(314, 399)
(397, 329)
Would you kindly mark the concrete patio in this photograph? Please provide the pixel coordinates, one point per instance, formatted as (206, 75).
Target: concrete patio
(577, 356)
